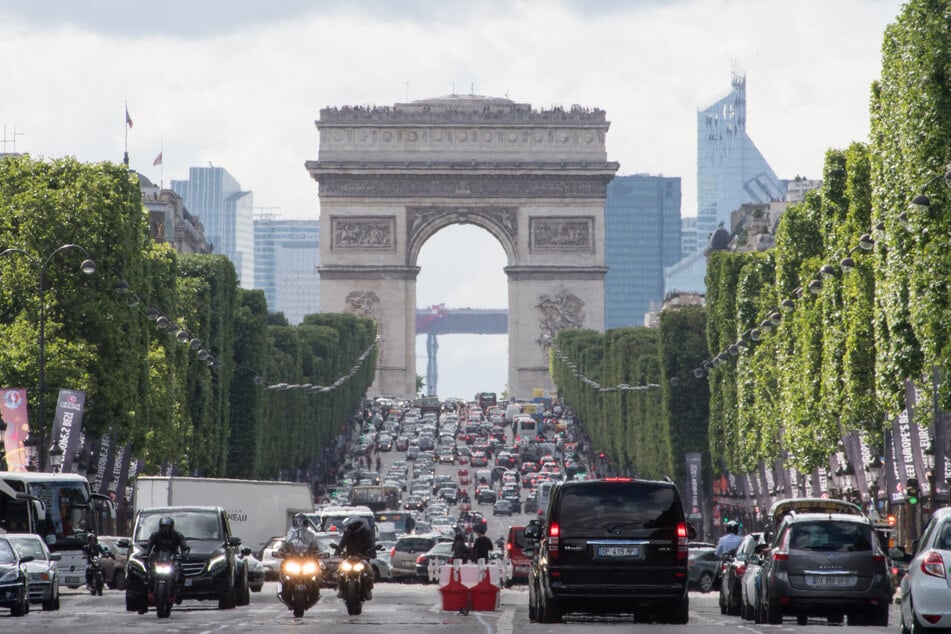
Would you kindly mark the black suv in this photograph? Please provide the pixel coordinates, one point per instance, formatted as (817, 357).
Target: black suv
(213, 568)
(616, 545)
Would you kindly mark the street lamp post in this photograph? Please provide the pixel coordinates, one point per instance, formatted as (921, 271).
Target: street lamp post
(88, 267)
(874, 470)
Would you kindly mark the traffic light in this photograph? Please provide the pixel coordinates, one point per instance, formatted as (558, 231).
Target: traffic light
(912, 491)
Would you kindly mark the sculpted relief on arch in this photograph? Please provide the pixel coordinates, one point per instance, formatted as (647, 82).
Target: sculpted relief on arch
(560, 311)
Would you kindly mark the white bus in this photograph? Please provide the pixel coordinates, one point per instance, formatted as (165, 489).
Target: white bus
(60, 508)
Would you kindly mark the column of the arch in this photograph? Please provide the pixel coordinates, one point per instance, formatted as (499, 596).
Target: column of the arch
(527, 285)
(386, 294)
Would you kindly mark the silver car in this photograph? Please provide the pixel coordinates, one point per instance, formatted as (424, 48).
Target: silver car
(41, 572)
(826, 565)
(925, 588)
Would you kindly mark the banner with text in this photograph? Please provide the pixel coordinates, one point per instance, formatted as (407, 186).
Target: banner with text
(13, 412)
(693, 495)
(68, 423)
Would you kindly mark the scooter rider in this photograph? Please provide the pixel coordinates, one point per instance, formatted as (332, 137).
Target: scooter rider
(93, 549)
(166, 539)
(730, 541)
(357, 541)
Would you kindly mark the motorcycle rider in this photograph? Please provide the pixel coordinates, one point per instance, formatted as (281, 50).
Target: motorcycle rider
(301, 532)
(357, 541)
(166, 539)
(93, 549)
(730, 541)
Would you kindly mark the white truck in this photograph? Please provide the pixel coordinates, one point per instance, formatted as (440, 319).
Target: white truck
(257, 509)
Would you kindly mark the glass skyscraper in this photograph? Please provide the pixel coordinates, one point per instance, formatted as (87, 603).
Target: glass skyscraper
(286, 254)
(226, 211)
(641, 237)
(730, 169)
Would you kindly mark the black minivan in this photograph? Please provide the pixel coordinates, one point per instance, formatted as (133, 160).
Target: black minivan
(617, 545)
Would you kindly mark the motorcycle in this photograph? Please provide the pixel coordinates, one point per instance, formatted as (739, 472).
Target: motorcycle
(355, 582)
(95, 575)
(300, 578)
(163, 582)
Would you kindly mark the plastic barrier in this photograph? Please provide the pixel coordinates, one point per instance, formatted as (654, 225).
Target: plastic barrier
(485, 594)
(455, 596)
(470, 586)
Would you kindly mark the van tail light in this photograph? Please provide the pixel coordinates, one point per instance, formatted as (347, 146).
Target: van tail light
(878, 557)
(740, 570)
(780, 555)
(392, 552)
(554, 534)
(933, 565)
(681, 541)
(508, 546)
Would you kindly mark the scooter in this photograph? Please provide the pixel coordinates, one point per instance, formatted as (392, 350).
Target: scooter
(301, 573)
(95, 576)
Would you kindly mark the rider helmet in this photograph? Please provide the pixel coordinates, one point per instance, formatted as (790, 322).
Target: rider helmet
(91, 538)
(732, 527)
(299, 521)
(166, 525)
(353, 525)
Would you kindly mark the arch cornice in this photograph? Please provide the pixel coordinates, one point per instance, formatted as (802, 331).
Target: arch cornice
(423, 222)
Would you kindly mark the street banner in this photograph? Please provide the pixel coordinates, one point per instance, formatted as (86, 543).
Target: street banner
(135, 468)
(916, 436)
(851, 443)
(104, 459)
(120, 470)
(766, 479)
(13, 412)
(779, 480)
(67, 423)
(693, 494)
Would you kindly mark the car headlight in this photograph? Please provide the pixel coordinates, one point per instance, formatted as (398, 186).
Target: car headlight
(10, 576)
(291, 568)
(216, 562)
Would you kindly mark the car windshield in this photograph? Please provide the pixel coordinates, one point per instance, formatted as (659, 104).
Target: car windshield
(605, 506)
(6, 552)
(199, 525)
(29, 546)
(830, 536)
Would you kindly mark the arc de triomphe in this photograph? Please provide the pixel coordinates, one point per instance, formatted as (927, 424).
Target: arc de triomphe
(391, 177)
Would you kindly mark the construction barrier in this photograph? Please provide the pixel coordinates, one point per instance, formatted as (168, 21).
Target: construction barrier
(470, 586)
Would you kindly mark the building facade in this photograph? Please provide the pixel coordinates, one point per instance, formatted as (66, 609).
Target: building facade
(286, 255)
(170, 221)
(731, 171)
(227, 213)
(642, 237)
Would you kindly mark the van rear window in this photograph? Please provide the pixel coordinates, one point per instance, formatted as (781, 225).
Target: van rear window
(603, 507)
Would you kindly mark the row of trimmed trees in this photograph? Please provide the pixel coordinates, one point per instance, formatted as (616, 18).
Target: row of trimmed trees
(837, 362)
(141, 383)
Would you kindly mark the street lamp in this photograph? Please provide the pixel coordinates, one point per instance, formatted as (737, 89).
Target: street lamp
(88, 267)
(30, 445)
(874, 470)
(56, 457)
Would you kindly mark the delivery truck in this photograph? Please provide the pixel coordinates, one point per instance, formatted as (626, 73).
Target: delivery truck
(257, 509)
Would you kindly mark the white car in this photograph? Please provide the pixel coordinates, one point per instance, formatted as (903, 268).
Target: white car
(272, 565)
(42, 573)
(926, 587)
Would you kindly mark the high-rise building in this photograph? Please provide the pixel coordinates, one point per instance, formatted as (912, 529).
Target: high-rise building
(641, 237)
(215, 196)
(286, 254)
(730, 169)
(689, 238)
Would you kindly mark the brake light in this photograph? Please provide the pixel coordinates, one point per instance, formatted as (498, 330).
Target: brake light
(508, 546)
(878, 557)
(554, 531)
(617, 479)
(681, 541)
(740, 570)
(780, 555)
(392, 552)
(933, 565)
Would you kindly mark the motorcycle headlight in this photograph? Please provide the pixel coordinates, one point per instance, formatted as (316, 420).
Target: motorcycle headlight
(310, 567)
(345, 566)
(291, 568)
(164, 569)
(10, 576)
(216, 562)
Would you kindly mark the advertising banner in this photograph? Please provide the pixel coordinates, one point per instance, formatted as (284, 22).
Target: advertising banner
(104, 458)
(693, 494)
(120, 470)
(67, 424)
(135, 468)
(13, 412)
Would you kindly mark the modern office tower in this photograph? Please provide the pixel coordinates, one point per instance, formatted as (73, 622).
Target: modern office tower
(215, 196)
(730, 169)
(641, 237)
(689, 238)
(286, 254)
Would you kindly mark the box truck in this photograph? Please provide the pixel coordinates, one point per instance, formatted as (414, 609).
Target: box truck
(257, 509)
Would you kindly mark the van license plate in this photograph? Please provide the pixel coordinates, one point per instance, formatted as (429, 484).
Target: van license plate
(618, 551)
(826, 581)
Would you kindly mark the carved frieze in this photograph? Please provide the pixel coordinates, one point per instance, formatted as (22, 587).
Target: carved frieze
(561, 311)
(561, 234)
(363, 304)
(364, 233)
(447, 186)
(418, 218)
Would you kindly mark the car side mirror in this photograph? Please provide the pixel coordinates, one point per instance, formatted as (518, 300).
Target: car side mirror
(25, 559)
(528, 552)
(55, 556)
(245, 552)
(234, 541)
(50, 540)
(898, 554)
(691, 531)
(125, 542)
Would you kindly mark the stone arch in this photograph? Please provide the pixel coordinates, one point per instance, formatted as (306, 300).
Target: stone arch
(422, 223)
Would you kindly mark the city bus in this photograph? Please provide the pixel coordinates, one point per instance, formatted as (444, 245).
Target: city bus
(60, 508)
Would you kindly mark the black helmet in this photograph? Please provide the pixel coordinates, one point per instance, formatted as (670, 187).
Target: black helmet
(479, 528)
(91, 538)
(353, 525)
(299, 521)
(166, 524)
(732, 527)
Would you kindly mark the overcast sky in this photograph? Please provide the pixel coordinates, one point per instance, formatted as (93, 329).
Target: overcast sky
(239, 83)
